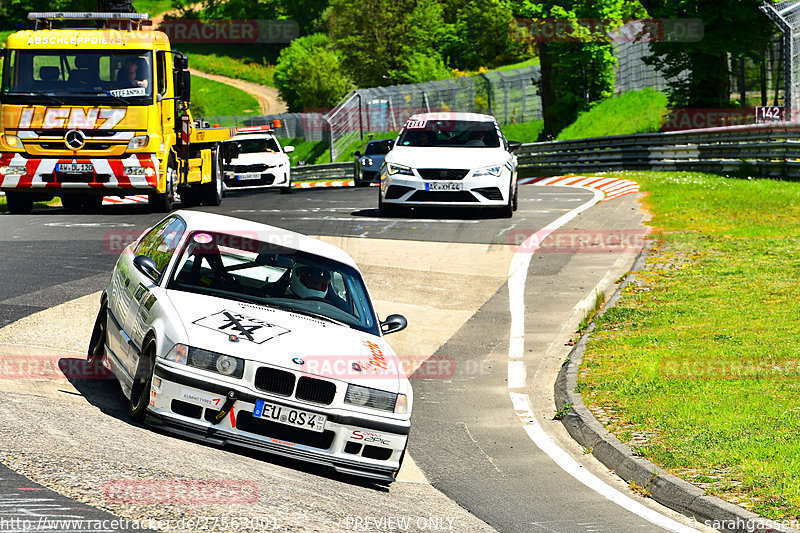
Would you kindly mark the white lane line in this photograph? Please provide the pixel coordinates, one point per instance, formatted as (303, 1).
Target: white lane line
(576, 470)
(517, 275)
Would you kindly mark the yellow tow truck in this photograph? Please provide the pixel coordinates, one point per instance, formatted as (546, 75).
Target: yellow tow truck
(88, 113)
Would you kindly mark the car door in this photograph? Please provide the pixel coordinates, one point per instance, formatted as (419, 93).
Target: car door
(159, 244)
(119, 307)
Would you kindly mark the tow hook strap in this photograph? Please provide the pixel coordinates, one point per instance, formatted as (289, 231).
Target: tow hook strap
(225, 409)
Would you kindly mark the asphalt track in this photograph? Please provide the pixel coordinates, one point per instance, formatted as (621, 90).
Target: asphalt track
(466, 437)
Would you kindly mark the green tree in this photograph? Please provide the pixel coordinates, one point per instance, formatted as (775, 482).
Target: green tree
(574, 74)
(377, 39)
(480, 34)
(309, 74)
(14, 13)
(734, 27)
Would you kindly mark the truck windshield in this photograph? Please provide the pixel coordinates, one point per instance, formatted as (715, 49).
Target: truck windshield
(42, 76)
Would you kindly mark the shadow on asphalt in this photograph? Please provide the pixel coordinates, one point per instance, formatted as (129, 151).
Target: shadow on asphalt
(102, 390)
(433, 214)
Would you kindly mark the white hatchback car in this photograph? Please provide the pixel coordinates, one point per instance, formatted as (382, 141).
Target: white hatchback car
(233, 332)
(261, 162)
(450, 159)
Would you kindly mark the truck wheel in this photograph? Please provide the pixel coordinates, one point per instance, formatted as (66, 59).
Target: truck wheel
(19, 203)
(163, 202)
(211, 192)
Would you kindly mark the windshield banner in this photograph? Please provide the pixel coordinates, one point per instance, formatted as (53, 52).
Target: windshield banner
(77, 117)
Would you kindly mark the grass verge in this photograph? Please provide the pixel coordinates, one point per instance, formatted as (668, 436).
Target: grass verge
(247, 63)
(632, 112)
(697, 366)
(526, 132)
(211, 98)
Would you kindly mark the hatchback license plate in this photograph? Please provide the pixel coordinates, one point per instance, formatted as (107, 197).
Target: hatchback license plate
(289, 416)
(75, 168)
(443, 186)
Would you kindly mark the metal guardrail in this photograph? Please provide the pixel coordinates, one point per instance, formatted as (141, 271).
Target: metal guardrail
(763, 150)
(328, 171)
(766, 150)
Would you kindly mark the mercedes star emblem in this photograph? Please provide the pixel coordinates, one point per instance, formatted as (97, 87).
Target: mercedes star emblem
(75, 139)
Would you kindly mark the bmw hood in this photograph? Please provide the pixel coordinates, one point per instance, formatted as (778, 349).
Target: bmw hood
(467, 158)
(295, 342)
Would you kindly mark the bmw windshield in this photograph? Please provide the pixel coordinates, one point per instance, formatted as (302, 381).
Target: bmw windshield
(69, 77)
(242, 268)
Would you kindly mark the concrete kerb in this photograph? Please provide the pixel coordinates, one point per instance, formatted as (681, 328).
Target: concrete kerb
(665, 488)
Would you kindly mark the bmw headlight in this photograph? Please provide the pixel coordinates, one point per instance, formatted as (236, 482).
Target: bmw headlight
(488, 171)
(366, 161)
(398, 169)
(371, 398)
(227, 365)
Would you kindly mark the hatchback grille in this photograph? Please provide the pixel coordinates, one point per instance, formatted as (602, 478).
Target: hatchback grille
(275, 381)
(442, 173)
(315, 390)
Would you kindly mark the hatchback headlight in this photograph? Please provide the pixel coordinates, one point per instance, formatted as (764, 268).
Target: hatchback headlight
(372, 398)
(488, 171)
(398, 169)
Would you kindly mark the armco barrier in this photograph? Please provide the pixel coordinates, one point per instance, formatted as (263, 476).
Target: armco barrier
(764, 150)
(328, 171)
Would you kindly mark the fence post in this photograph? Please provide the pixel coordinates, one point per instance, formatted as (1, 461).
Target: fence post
(488, 91)
(360, 118)
(329, 131)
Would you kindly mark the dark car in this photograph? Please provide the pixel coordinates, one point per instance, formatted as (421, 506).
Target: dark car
(367, 168)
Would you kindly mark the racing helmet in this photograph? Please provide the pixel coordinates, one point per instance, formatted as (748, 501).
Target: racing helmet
(309, 281)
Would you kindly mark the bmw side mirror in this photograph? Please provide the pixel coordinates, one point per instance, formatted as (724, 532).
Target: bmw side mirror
(357, 154)
(513, 146)
(146, 266)
(393, 324)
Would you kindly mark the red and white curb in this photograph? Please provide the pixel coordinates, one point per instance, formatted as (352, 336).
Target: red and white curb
(125, 200)
(610, 187)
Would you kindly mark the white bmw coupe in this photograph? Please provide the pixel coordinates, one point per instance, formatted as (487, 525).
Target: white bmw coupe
(239, 333)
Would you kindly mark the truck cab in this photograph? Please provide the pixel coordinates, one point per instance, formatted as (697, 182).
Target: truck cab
(88, 113)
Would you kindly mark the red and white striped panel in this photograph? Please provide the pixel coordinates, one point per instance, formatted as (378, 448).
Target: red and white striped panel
(612, 187)
(36, 168)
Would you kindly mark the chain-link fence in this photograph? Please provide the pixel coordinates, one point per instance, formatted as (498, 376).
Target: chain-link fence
(511, 96)
(786, 15)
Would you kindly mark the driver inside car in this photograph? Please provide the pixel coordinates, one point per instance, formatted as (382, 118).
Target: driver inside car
(309, 282)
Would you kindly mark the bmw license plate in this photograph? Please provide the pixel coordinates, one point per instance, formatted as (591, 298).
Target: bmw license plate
(443, 186)
(245, 177)
(75, 168)
(289, 416)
